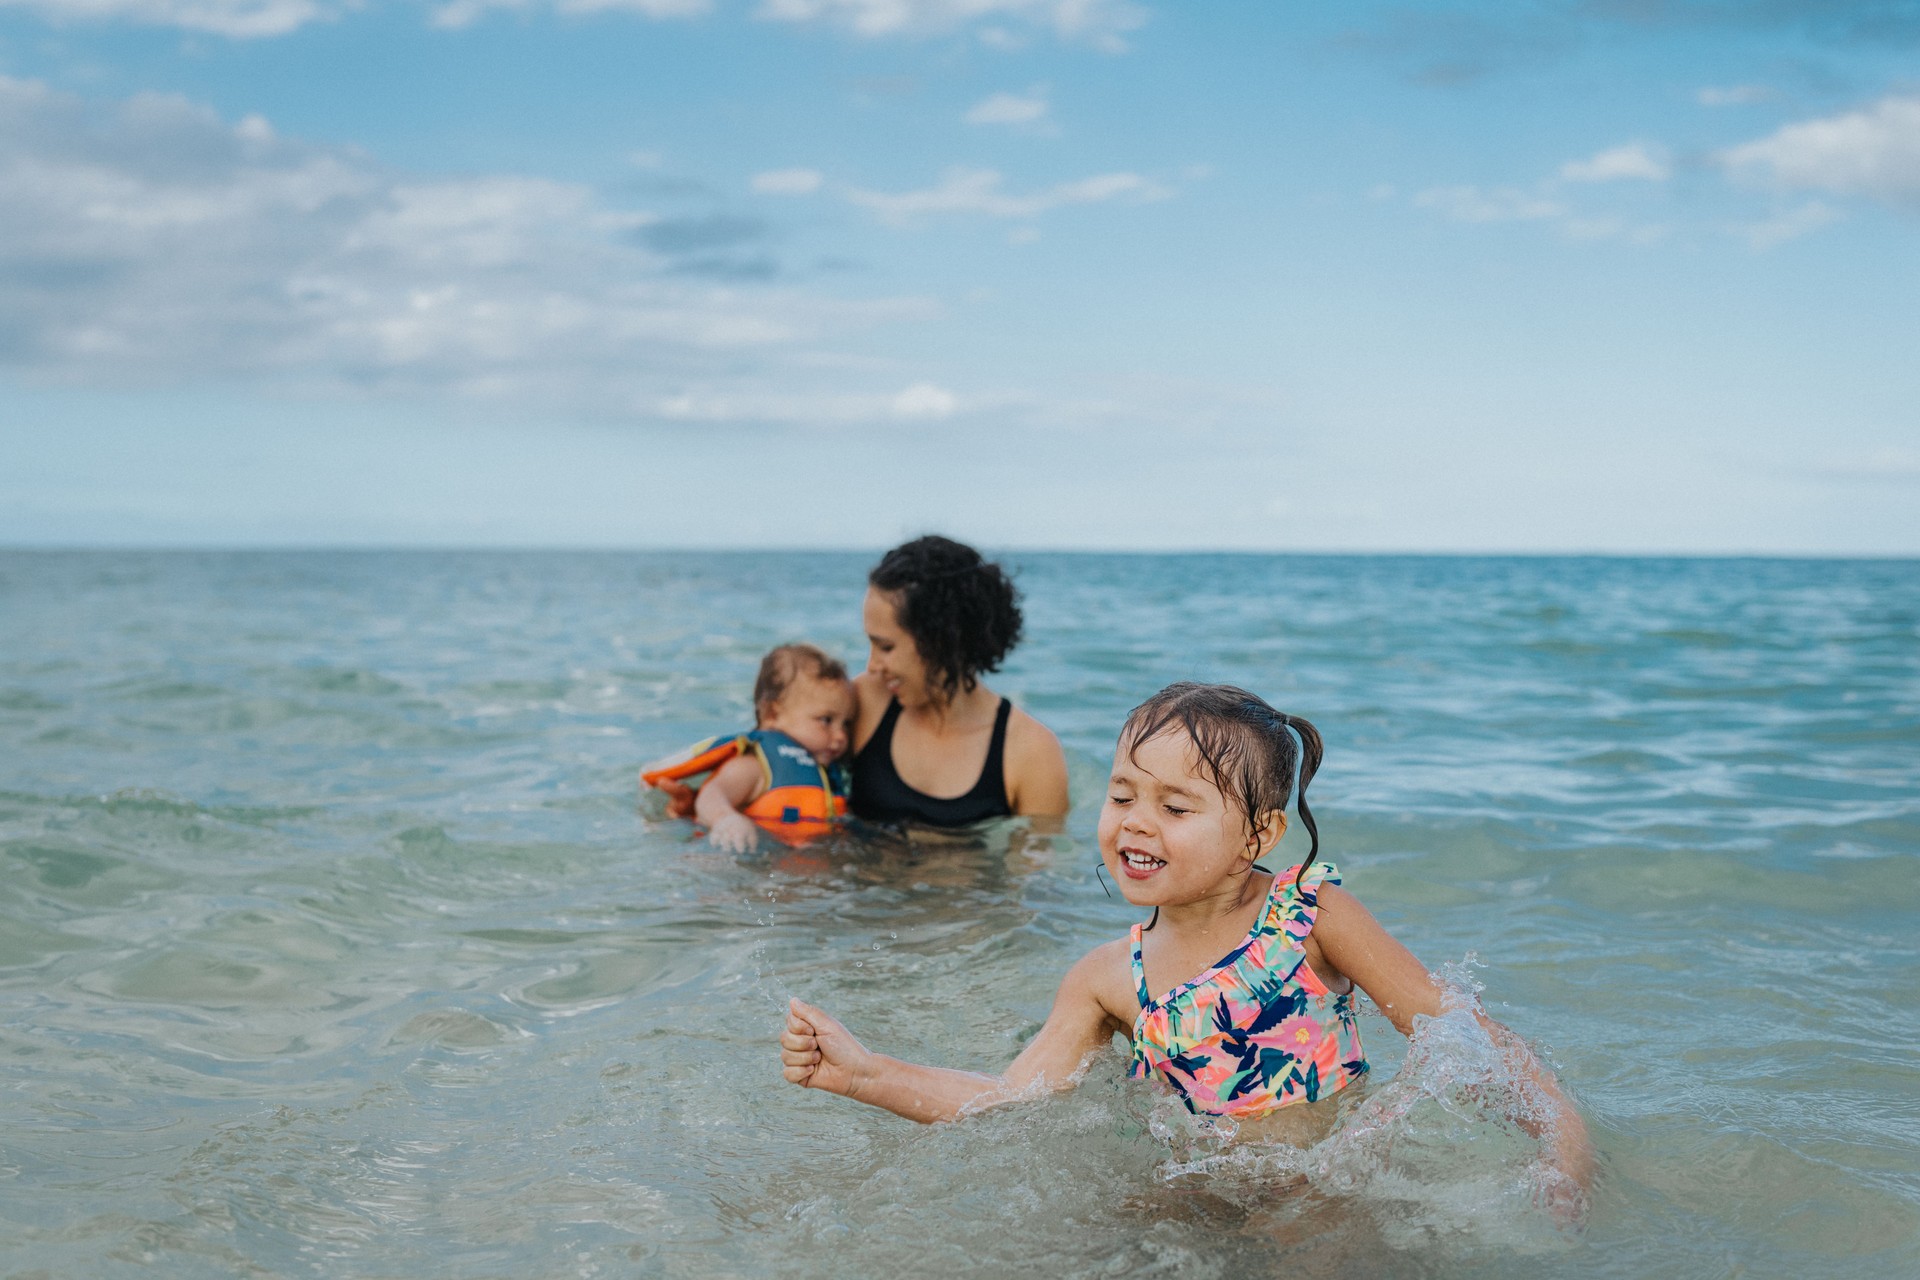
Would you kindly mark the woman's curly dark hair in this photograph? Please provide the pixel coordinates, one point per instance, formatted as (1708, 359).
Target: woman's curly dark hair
(961, 610)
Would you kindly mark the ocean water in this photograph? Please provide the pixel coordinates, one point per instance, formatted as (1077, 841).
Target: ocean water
(334, 939)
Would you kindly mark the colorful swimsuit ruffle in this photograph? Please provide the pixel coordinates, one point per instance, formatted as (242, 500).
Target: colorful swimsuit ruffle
(1258, 1030)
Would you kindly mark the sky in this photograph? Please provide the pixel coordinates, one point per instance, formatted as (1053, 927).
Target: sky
(1623, 276)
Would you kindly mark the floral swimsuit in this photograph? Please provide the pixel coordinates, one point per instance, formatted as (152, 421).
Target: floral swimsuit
(1258, 1030)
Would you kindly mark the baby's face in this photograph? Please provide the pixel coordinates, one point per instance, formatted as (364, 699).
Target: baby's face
(817, 714)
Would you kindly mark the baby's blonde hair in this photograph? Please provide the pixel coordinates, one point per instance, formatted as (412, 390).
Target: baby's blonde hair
(782, 665)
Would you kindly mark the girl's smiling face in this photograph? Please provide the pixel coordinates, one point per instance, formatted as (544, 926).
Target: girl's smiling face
(1167, 834)
(891, 653)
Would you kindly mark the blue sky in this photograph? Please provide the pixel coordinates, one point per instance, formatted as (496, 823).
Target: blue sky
(1624, 275)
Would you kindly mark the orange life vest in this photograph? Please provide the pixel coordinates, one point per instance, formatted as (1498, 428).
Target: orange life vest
(803, 798)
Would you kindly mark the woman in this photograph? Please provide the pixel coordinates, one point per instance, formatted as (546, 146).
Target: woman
(933, 745)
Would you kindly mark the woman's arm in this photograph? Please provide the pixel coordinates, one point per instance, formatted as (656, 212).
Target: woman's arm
(817, 1052)
(733, 786)
(1036, 769)
(1348, 942)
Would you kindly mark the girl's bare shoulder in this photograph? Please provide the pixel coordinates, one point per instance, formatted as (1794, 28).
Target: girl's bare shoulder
(1104, 976)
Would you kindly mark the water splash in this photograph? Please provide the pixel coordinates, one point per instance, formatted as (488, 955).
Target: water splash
(1455, 1148)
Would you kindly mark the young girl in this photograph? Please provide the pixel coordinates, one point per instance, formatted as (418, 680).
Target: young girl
(1237, 993)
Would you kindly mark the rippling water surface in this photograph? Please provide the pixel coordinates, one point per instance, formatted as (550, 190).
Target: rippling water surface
(334, 942)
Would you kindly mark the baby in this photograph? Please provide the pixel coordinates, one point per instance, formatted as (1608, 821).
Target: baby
(784, 777)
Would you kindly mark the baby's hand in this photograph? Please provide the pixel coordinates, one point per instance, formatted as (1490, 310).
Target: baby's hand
(816, 1052)
(679, 797)
(735, 833)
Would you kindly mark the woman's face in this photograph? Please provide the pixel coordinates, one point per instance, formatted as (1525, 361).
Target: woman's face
(891, 652)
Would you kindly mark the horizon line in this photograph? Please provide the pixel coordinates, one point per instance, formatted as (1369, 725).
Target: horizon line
(443, 548)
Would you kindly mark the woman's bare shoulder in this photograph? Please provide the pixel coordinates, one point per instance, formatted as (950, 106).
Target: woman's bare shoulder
(1036, 768)
(1026, 734)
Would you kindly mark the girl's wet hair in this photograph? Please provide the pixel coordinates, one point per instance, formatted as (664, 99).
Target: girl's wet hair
(1247, 748)
(781, 666)
(961, 609)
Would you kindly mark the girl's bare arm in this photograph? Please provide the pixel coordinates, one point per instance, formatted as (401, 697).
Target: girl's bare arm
(818, 1052)
(1348, 942)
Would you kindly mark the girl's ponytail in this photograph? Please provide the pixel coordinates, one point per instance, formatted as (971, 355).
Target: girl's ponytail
(1313, 749)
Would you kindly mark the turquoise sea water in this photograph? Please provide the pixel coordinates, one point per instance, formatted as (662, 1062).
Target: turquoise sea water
(334, 941)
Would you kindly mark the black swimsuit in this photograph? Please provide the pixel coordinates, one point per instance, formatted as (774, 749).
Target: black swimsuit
(880, 796)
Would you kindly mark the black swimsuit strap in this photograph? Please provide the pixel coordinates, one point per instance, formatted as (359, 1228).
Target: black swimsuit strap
(993, 774)
(883, 732)
(880, 795)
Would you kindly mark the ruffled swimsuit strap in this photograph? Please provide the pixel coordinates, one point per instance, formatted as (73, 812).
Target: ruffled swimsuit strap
(1292, 911)
(1140, 970)
(1295, 910)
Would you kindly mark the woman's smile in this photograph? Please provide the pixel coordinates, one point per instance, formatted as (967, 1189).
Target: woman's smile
(891, 653)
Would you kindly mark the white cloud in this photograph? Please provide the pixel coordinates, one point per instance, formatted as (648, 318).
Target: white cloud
(1633, 160)
(924, 400)
(788, 182)
(236, 19)
(257, 19)
(920, 402)
(1102, 23)
(464, 13)
(1009, 108)
(1789, 224)
(978, 191)
(1739, 95)
(998, 23)
(1515, 204)
(1872, 152)
(1501, 204)
(148, 242)
(645, 8)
